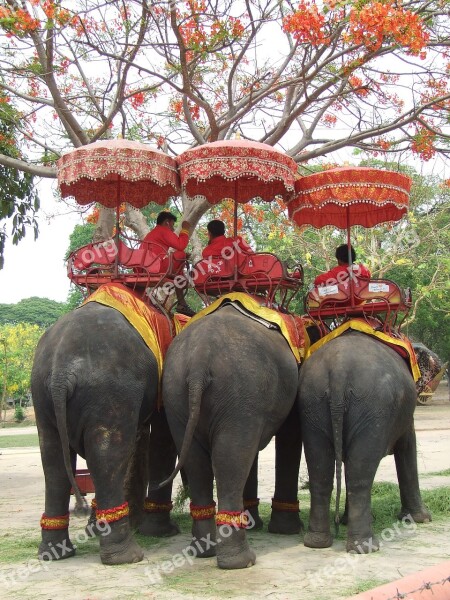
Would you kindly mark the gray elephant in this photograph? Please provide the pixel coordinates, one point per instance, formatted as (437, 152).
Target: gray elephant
(357, 399)
(229, 383)
(95, 385)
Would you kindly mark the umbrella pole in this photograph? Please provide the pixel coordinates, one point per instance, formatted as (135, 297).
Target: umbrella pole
(349, 260)
(235, 227)
(116, 236)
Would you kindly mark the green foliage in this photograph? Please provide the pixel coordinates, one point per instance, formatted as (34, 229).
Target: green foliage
(37, 311)
(80, 236)
(16, 357)
(19, 201)
(19, 414)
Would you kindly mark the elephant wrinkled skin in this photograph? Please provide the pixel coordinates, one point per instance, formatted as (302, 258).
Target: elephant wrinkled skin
(94, 385)
(228, 385)
(357, 399)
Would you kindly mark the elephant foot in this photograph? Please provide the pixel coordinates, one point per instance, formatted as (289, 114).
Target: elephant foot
(363, 545)
(422, 515)
(57, 550)
(285, 523)
(233, 551)
(204, 539)
(243, 560)
(118, 547)
(158, 525)
(256, 522)
(315, 539)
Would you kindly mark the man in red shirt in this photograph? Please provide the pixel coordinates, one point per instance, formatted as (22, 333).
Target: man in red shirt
(163, 238)
(342, 270)
(220, 245)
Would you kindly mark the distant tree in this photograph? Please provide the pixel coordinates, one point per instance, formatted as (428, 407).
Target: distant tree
(42, 312)
(18, 343)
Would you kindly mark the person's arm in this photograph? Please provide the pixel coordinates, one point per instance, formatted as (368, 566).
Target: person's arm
(244, 246)
(322, 278)
(177, 242)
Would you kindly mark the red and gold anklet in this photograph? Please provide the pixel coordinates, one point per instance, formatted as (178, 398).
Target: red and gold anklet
(156, 507)
(55, 522)
(285, 506)
(110, 515)
(251, 503)
(199, 513)
(237, 519)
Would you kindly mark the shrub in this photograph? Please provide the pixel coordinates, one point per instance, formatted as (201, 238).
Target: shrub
(19, 415)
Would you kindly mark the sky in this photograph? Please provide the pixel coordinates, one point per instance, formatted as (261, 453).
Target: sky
(37, 268)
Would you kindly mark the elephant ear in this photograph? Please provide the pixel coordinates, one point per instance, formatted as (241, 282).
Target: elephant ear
(431, 368)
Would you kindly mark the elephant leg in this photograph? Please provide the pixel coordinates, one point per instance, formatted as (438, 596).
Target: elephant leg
(361, 466)
(162, 458)
(231, 464)
(405, 454)
(320, 458)
(285, 517)
(201, 479)
(108, 453)
(251, 500)
(55, 544)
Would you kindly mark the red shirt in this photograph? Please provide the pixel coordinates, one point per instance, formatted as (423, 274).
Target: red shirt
(219, 243)
(340, 273)
(166, 238)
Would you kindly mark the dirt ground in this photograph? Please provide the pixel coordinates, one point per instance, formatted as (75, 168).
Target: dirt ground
(284, 570)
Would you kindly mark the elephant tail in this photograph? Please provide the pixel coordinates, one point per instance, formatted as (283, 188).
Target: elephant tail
(337, 421)
(196, 389)
(59, 395)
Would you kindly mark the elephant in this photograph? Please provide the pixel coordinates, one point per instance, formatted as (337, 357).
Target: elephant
(95, 386)
(229, 383)
(356, 398)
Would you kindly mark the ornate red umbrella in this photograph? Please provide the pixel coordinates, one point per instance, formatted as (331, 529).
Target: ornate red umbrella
(350, 196)
(111, 172)
(114, 171)
(236, 169)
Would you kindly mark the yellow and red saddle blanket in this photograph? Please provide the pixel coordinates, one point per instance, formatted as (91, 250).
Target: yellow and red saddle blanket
(156, 329)
(400, 344)
(291, 327)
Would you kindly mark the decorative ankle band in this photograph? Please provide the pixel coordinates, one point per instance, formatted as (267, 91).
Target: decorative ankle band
(113, 514)
(285, 506)
(251, 503)
(55, 522)
(199, 513)
(155, 507)
(94, 504)
(236, 519)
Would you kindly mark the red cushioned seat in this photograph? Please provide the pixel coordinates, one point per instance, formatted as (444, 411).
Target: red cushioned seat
(213, 276)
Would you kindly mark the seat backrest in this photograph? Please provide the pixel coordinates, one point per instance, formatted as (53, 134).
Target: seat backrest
(261, 265)
(211, 268)
(102, 253)
(321, 295)
(379, 289)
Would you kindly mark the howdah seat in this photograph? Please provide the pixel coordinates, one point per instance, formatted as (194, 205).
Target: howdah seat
(261, 273)
(359, 297)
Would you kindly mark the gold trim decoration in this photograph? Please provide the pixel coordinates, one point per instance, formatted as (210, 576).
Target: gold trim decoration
(253, 305)
(363, 327)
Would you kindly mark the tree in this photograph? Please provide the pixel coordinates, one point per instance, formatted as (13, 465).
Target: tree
(18, 198)
(18, 343)
(35, 311)
(314, 78)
